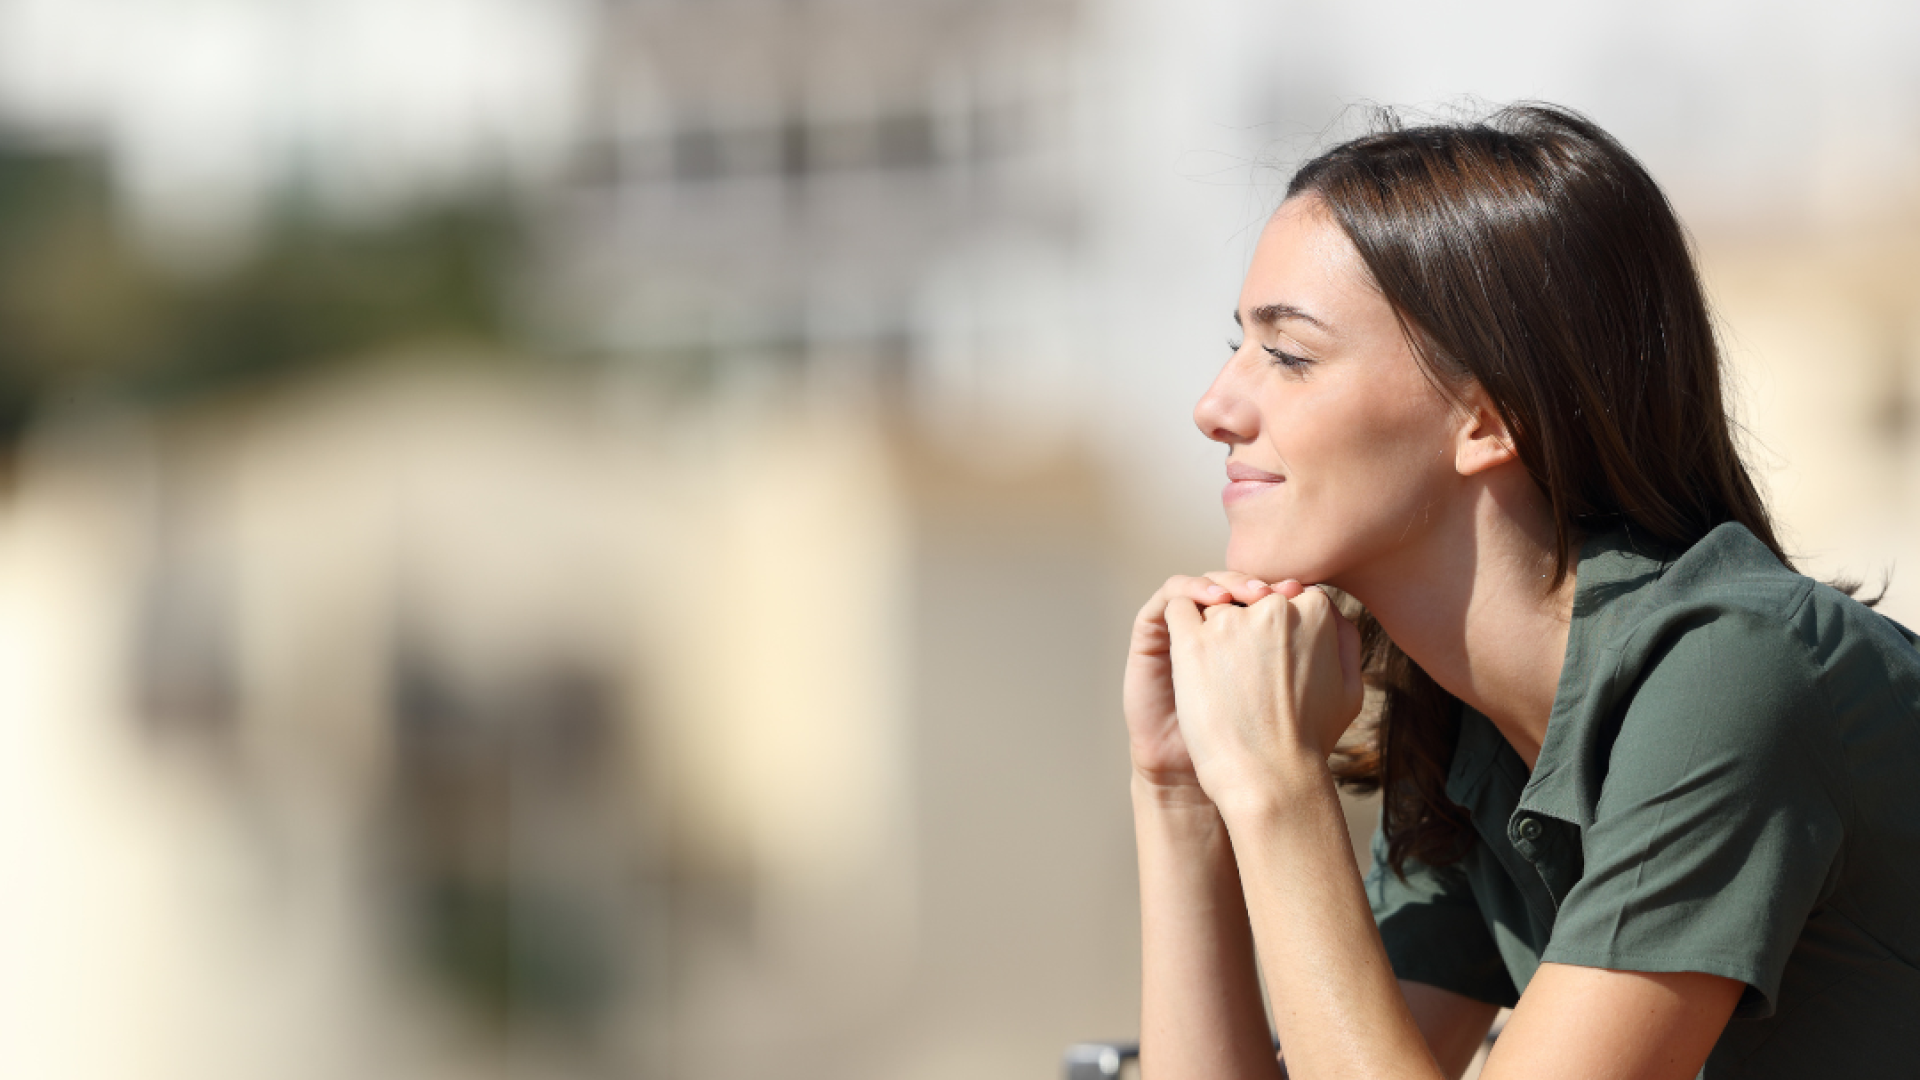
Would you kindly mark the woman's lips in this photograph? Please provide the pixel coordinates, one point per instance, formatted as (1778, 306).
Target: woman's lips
(1245, 481)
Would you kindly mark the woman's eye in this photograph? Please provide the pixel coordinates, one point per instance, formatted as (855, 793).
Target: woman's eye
(1234, 346)
(1287, 360)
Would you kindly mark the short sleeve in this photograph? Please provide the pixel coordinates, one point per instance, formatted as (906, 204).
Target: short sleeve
(1715, 832)
(1434, 931)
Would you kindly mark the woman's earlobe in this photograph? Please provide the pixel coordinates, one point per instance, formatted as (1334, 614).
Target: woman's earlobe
(1484, 443)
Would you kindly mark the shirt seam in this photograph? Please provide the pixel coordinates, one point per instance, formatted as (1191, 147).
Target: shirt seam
(1840, 800)
(1661, 963)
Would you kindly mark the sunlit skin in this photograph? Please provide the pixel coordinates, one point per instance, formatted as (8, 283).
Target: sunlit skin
(1324, 393)
(1347, 466)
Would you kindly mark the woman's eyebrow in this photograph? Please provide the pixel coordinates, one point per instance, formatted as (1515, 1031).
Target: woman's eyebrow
(1270, 314)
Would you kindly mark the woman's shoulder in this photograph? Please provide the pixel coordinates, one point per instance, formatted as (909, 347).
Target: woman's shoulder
(1728, 602)
(1770, 724)
(1729, 642)
(1726, 647)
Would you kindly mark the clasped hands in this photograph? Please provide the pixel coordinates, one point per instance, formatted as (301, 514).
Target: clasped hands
(1236, 689)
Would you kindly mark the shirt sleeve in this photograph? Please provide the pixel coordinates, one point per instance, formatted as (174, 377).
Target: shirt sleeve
(1715, 833)
(1434, 931)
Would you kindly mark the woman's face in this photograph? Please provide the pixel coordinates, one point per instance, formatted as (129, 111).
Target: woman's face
(1341, 452)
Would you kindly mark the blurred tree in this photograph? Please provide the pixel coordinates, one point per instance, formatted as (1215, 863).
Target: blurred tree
(71, 297)
(84, 311)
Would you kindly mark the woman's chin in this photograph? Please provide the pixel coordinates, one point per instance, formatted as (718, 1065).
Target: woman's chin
(1267, 568)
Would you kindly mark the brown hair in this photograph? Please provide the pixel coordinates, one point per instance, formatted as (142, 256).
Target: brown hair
(1529, 252)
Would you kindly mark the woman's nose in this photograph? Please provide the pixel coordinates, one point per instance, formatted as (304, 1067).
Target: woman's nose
(1225, 415)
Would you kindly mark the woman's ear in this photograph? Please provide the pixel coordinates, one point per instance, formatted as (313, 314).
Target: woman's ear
(1482, 440)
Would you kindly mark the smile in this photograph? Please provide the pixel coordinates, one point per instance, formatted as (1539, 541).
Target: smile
(1245, 482)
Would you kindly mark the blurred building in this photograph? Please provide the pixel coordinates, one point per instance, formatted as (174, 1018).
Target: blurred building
(471, 731)
(831, 200)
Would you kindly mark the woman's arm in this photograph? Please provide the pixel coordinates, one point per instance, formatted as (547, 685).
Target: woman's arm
(1264, 694)
(1595, 1023)
(1200, 998)
(1201, 1013)
(1453, 1025)
(1336, 1003)
(1340, 1013)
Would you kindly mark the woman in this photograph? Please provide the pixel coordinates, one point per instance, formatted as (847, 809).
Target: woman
(1643, 782)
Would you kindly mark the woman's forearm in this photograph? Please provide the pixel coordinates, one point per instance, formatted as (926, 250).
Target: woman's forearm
(1200, 1002)
(1336, 1004)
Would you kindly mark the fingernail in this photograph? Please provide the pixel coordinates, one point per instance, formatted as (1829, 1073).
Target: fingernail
(1215, 590)
(1256, 583)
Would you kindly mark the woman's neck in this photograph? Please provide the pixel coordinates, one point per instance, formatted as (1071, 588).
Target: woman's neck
(1476, 608)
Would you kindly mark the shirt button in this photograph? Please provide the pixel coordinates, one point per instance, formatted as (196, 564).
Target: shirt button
(1529, 828)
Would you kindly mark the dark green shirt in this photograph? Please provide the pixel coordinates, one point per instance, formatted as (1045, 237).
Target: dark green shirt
(1730, 784)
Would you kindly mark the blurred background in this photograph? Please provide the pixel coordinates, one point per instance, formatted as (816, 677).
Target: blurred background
(594, 538)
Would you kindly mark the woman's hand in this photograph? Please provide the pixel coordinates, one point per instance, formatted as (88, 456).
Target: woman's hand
(1263, 690)
(1160, 755)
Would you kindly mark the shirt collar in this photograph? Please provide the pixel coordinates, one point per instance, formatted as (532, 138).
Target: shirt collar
(1611, 576)
(1610, 573)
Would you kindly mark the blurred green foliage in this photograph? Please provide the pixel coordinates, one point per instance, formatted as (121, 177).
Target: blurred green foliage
(85, 311)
